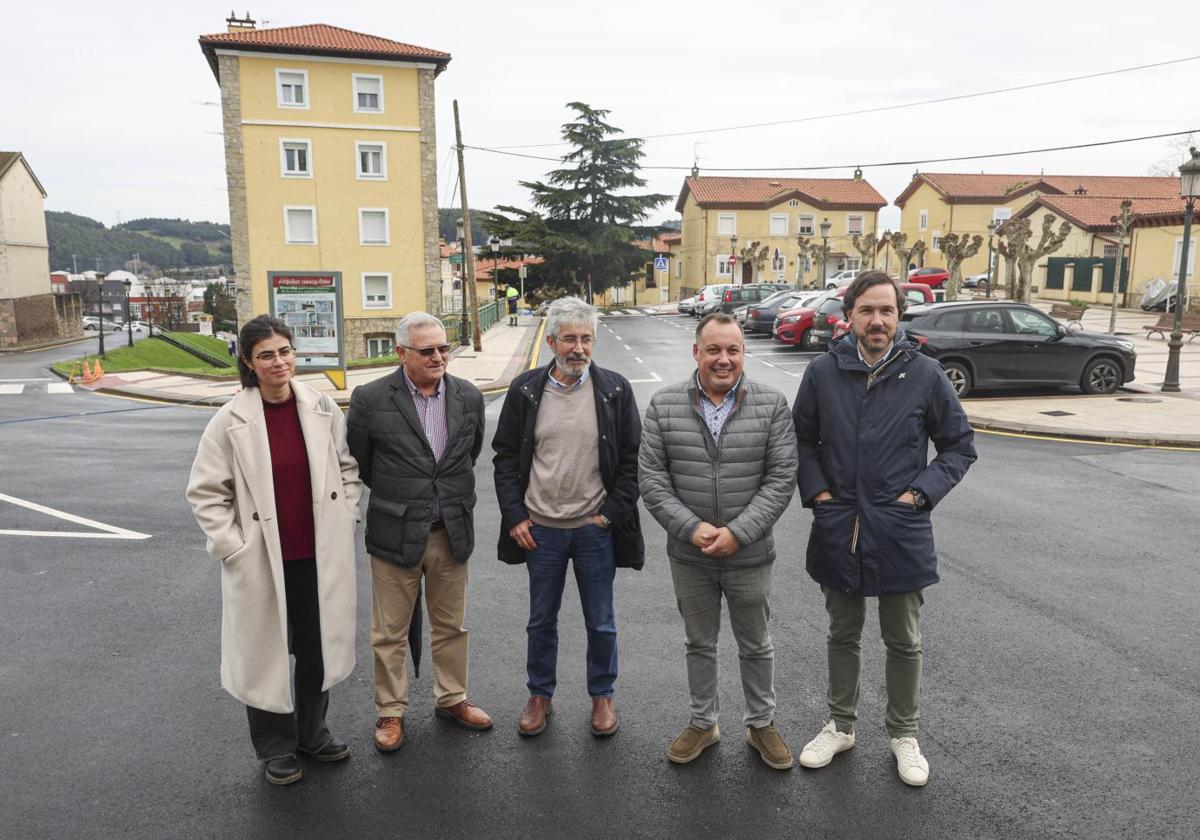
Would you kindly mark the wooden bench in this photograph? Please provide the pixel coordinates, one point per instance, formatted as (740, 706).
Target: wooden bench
(1166, 323)
(1067, 312)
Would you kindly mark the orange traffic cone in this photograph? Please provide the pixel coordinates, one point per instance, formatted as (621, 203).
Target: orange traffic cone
(97, 371)
(87, 372)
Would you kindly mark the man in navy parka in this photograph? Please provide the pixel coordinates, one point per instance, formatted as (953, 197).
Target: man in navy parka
(865, 414)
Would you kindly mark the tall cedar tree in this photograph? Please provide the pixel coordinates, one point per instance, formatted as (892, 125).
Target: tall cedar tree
(585, 219)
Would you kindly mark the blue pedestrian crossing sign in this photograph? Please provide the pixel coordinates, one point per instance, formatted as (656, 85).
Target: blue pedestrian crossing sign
(660, 263)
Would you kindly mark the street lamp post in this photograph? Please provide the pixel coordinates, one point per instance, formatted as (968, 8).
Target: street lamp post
(1189, 189)
(465, 338)
(128, 321)
(825, 226)
(991, 228)
(100, 310)
(733, 260)
(494, 244)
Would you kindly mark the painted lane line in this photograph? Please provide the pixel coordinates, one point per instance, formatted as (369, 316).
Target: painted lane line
(43, 379)
(11, 389)
(627, 347)
(656, 378)
(108, 532)
(60, 388)
(638, 359)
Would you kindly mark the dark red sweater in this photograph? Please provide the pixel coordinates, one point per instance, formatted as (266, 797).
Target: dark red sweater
(293, 488)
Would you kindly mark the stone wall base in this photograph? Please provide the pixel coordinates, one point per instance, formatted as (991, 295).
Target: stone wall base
(358, 330)
(39, 319)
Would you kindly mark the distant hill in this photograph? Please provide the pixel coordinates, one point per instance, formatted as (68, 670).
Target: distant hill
(448, 229)
(165, 243)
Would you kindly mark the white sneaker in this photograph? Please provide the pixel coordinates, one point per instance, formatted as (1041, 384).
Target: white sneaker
(910, 764)
(829, 742)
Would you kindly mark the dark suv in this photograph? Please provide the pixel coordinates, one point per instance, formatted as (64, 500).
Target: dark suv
(997, 344)
(748, 295)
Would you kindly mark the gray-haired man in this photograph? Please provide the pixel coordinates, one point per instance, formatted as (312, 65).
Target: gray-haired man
(566, 480)
(416, 435)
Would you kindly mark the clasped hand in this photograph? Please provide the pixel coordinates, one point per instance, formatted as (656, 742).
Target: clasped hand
(714, 541)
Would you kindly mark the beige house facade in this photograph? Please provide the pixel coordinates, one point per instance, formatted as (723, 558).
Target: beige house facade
(746, 230)
(936, 204)
(30, 312)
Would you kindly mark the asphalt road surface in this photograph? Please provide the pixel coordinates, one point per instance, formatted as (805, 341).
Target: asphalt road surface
(1061, 674)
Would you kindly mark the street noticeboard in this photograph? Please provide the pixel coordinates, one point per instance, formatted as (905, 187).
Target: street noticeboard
(660, 263)
(310, 304)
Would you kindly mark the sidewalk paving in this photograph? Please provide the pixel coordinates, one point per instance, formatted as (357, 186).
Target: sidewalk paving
(504, 355)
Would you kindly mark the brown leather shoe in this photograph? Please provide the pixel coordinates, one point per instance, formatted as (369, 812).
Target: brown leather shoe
(604, 717)
(467, 714)
(389, 734)
(533, 718)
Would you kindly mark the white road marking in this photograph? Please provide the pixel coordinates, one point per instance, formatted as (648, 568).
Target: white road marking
(43, 379)
(60, 388)
(656, 378)
(627, 347)
(617, 337)
(104, 532)
(638, 359)
(11, 389)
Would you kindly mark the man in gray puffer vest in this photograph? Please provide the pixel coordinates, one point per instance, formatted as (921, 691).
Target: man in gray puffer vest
(717, 469)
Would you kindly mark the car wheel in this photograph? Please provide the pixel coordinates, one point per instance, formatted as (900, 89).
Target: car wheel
(959, 377)
(809, 341)
(1101, 376)
(89, 326)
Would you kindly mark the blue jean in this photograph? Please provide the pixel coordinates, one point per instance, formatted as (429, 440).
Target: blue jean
(591, 549)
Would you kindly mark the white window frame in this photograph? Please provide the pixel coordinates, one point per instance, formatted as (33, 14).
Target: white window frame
(287, 230)
(391, 348)
(1109, 251)
(802, 229)
(362, 176)
(862, 224)
(387, 304)
(778, 261)
(1191, 266)
(853, 263)
(935, 241)
(778, 219)
(387, 227)
(354, 89)
(295, 141)
(302, 106)
(727, 224)
(1001, 215)
(724, 267)
(923, 220)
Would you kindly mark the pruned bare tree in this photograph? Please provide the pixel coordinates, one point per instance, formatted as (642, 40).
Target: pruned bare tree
(956, 249)
(905, 254)
(866, 246)
(1015, 235)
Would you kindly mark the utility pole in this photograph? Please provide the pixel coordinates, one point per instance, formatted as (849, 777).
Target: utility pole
(1122, 222)
(469, 245)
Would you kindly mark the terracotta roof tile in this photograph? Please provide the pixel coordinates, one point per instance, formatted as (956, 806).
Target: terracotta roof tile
(842, 192)
(964, 186)
(1095, 213)
(318, 39)
(484, 265)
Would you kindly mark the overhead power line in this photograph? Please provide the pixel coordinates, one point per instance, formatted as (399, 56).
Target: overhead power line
(872, 165)
(883, 108)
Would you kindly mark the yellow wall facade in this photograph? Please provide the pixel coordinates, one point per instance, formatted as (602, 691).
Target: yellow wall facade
(25, 268)
(331, 126)
(964, 219)
(704, 242)
(1153, 255)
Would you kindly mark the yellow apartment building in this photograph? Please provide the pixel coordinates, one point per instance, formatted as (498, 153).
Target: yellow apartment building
(1152, 249)
(330, 159)
(935, 204)
(758, 220)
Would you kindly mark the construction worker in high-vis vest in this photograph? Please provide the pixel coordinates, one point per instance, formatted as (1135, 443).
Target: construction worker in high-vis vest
(512, 295)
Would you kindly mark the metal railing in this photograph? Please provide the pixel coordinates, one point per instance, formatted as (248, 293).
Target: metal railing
(489, 313)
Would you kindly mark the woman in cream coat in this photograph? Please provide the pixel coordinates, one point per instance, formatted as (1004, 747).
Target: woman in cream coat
(276, 492)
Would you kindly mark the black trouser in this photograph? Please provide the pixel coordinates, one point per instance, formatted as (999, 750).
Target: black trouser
(277, 734)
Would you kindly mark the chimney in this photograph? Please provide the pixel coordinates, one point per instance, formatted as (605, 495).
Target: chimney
(233, 23)
(1080, 190)
(858, 173)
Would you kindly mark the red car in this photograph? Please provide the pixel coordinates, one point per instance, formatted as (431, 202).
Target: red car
(795, 326)
(932, 277)
(916, 293)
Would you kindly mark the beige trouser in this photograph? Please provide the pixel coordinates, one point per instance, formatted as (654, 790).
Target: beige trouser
(394, 592)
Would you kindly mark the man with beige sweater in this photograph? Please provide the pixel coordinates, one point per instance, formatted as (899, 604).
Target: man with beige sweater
(566, 479)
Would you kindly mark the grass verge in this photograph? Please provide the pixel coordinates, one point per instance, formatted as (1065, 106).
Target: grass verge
(149, 353)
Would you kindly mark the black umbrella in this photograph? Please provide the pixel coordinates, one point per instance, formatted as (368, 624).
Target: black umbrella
(414, 635)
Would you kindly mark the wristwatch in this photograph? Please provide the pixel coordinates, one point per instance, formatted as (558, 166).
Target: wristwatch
(919, 500)
(607, 522)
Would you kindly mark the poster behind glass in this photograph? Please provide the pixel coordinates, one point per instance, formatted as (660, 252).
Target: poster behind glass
(310, 304)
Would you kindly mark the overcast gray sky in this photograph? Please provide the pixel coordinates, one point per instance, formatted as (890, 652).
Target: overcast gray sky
(107, 100)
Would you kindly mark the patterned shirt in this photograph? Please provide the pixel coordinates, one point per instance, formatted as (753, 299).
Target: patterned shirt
(578, 383)
(716, 415)
(431, 411)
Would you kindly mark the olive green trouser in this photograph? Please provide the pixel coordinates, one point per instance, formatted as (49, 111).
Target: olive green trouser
(900, 626)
